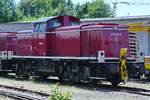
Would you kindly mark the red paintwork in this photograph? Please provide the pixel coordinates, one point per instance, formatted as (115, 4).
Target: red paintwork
(106, 38)
(87, 43)
(31, 44)
(66, 40)
(24, 43)
(8, 41)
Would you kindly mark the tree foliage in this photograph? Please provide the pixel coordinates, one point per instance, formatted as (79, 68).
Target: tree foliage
(99, 8)
(64, 7)
(8, 11)
(33, 9)
(82, 10)
(43, 8)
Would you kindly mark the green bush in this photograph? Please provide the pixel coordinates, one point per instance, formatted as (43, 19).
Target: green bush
(58, 94)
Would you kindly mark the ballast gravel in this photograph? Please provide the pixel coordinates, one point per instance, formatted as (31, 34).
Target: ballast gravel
(81, 92)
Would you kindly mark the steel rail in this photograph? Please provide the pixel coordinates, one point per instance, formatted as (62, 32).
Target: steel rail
(18, 96)
(132, 90)
(124, 89)
(25, 90)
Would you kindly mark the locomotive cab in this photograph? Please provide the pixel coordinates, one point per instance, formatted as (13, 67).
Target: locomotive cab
(41, 40)
(50, 23)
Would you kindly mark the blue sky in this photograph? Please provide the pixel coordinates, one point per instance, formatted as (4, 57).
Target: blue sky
(124, 9)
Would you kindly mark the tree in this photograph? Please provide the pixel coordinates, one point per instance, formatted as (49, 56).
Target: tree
(8, 11)
(99, 8)
(29, 8)
(95, 9)
(81, 10)
(55, 3)
(33, 9)
(64, 7)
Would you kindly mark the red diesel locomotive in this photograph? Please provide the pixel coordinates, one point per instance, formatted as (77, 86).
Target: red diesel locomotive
(60, 46)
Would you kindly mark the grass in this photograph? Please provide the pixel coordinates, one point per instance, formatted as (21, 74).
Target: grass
(58, 94)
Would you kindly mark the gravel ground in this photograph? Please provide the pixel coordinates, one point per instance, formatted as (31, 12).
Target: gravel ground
(5, 98)
(82, 92)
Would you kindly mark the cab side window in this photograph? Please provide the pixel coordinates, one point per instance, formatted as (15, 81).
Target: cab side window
(44, 27)
(55, 23)
(36, 27)
(40, 27)
(73, 23)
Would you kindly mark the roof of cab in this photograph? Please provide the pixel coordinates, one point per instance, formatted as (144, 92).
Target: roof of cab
(43, 19)
(40, 20)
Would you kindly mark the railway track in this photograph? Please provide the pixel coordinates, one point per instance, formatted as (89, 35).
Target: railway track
(8, 92)
(18, 96)
(138, 91)
(123, 89)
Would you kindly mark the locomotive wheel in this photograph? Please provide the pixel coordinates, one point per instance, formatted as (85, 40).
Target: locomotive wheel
(66, 74)
(43, 78)
(60, 73)
(115, 83)
(26, 77)
(86, 73)
(3, 73)
(69, 75)
(115, 80)
(19, 71)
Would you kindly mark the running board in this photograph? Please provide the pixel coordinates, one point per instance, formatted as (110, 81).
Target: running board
(97, 78)
(6, 71)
